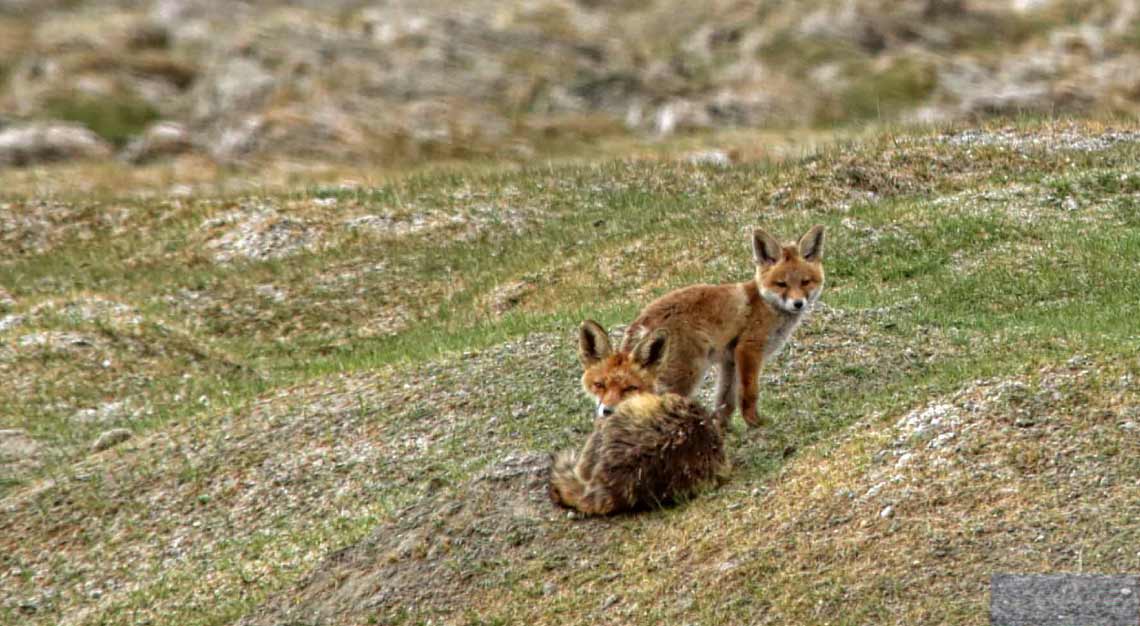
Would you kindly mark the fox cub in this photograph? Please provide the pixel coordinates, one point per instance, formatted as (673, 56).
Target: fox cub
(649, 449)
(737, 326)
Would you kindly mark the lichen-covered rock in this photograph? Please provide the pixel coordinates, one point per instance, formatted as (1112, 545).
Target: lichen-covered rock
(161, 139)
(428, 79)
(110, 439)
(42, 142)
(258, 234)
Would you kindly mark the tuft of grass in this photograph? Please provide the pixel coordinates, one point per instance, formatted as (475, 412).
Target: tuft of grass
(115, 118)
(884, 94)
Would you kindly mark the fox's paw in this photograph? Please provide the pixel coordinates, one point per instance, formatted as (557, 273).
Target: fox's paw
(755, 421)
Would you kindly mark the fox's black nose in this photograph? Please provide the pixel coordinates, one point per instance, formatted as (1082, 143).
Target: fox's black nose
(799, 304)
(607, 411)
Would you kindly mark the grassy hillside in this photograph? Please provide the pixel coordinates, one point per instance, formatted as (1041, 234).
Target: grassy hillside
(341, 397)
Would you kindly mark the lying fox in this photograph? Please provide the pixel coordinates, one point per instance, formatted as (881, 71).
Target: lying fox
(650, 450)
(738, 326)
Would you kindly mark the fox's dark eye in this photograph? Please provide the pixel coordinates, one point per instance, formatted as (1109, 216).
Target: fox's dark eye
(629, 390)
(781, 284)
(599, 386)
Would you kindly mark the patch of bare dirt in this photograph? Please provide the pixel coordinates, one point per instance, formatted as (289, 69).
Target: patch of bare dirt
(1059, 139)
(20, 453)
(433, 555)
(36, 226)
(259, 234)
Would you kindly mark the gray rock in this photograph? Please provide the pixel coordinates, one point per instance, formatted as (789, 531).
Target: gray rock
(260, 234)
(719, 158)
(236, 84)
(1086, 40)
(110, 438)
(10, 321)
(160, 139)
(237, 140)
(55, 141)
(17, 445)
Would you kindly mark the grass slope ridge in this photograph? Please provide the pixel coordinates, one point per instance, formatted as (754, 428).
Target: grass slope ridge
(381, 370)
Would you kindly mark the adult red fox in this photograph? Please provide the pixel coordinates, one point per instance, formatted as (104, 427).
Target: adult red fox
(650, 450)
(738, 326)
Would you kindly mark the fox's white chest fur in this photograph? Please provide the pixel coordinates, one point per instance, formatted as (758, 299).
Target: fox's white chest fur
(785, 325)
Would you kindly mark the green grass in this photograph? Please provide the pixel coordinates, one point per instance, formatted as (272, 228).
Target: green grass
(884, 94)
(360, 404)
(115, 118)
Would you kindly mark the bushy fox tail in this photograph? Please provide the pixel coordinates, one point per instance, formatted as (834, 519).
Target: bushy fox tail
(566, 488)
(569, 490)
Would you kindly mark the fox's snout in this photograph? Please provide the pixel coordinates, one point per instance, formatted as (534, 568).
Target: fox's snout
(605, 410)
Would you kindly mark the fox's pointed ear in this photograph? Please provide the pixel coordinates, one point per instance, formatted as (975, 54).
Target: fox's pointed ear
(811, 244)
(593, 343)
(650, 351)
(766, 250)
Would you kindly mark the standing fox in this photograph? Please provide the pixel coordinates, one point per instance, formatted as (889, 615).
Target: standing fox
(739, 326)
(650, 450)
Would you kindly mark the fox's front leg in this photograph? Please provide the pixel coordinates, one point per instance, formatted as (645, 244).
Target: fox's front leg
(749, 358)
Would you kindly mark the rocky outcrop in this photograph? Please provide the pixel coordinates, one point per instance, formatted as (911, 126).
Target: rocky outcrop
(423, 79)
(162, 139)
(43, 142)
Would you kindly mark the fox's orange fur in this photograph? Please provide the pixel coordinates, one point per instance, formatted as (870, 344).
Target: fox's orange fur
(649, 450)
(737, 326)
(611, 376)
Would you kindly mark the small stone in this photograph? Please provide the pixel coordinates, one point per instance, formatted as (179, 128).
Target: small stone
(610, 601)
(161, 139)
(549, 588)
(110, 438)
(1070, 204)
(888, 512)
(719, 158)
(10, 321)
(1077, 361)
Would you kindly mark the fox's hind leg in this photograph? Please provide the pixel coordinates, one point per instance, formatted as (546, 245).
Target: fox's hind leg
(684, 370)
(726, 384)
